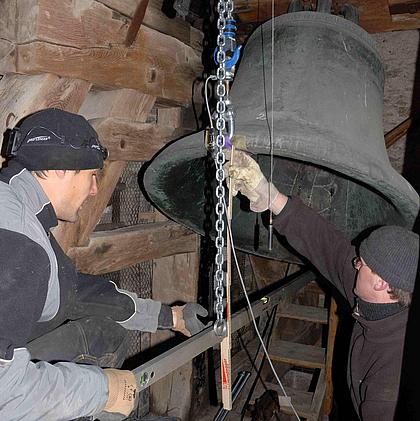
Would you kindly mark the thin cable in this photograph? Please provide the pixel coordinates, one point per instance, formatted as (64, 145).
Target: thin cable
(253, 317)
(272, 110)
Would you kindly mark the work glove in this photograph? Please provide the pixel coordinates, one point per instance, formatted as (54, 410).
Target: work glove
(122, 391)
(185, 318)
(246, 176)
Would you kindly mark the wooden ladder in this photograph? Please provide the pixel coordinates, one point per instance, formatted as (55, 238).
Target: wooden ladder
(308, 405)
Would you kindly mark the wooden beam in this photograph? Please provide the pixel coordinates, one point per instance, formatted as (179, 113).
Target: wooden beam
(109, 251)
(375, 15)
(397, 132)
(85, 40)
(175, 279)
(21, 95)
(159, 69)
(131, 141)
(121, 103)
(137, 21)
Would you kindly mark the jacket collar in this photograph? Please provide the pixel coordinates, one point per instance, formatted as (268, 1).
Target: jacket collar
(30, 192)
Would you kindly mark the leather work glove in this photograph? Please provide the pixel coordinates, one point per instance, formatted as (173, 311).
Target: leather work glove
(122, 391)
(185, 318)
(247, 177)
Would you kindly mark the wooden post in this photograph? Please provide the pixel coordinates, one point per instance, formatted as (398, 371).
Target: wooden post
(332, 330)
(226, 344)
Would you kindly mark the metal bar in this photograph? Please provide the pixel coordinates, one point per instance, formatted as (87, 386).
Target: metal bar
(162, 365)
(237, 387)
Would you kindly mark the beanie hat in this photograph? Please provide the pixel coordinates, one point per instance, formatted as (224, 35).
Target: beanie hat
(393, 253)
(54, 139)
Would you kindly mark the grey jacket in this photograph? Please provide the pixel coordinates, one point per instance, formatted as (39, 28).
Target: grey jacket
(30, 294)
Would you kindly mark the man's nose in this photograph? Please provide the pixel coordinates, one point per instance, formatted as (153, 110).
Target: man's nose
(94, 187)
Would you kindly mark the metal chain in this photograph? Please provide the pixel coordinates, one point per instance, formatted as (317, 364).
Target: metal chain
(224, 9)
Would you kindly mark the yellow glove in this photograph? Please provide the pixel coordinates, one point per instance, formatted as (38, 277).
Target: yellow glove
(122, 391)
(246, 176)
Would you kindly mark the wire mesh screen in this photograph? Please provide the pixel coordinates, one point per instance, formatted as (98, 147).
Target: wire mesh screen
(129, 207)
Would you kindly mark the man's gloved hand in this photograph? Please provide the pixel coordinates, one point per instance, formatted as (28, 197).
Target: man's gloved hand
(247, 177)
(185, 318)
(122, 391)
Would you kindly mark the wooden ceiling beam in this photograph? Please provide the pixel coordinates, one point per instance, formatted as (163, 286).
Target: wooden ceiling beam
(85, 40)
(375, 15)
(109, 251)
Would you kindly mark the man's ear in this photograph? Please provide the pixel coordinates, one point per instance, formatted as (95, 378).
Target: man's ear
(380, 285)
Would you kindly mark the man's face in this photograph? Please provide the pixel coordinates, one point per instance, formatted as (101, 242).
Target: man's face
(76, 187)
(366, 282)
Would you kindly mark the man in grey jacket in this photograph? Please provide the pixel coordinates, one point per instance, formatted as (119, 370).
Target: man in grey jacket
(377, 280)
(59, 327)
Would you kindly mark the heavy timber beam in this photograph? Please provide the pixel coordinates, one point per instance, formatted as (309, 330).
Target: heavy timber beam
(160, 366)
(109, 251)
(131, 141)
(85, 40)
(375, 15)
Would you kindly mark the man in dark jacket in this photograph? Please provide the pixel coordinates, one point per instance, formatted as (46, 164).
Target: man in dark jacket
(377, 281)
(58, 326)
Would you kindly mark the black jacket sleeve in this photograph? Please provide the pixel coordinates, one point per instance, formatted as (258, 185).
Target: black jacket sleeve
(316, 239)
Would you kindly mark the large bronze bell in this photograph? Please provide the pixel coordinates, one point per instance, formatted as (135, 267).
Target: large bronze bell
(328, 135)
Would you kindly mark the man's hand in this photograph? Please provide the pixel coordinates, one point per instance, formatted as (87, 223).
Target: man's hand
(185, 318)
(247, 177)
(122, 391)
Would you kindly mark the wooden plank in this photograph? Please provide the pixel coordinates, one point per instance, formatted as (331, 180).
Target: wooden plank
(332, 331)
(175, 279)
(307, 313)
(8, 20)
(308, 356)
(85, 40)
(69, 234)
(374, 14)
(81, 24)
(397, 132)
(318, 398)
(109, 251)
(168, 67)
(7, 59)
(136, 22)
(131, 141)
(121, 103)
(21, 95)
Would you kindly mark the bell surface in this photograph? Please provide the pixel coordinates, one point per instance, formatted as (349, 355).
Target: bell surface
(327, 137)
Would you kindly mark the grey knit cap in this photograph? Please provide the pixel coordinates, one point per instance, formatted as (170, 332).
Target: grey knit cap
(393, 253)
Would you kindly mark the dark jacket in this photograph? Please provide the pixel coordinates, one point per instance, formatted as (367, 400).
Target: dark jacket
(376, 346)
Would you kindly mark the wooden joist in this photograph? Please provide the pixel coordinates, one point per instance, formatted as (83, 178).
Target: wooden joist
(301, 312)
(109, 251)
(375, 15)
(85, 40)
(21, 95)
(131, 141)
(308, 356)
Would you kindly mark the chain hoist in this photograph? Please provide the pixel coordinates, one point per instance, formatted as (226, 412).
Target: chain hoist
(226, 55)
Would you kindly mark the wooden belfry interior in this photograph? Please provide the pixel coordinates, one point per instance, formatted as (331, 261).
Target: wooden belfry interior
(135, 70)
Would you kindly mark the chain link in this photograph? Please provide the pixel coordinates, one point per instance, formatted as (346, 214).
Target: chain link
(224, 8)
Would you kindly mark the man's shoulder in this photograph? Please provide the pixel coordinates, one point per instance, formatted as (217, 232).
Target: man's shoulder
(12, 210)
